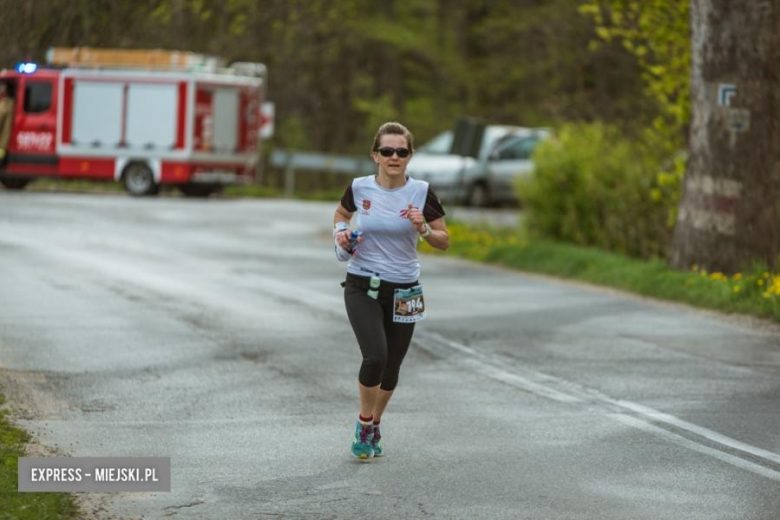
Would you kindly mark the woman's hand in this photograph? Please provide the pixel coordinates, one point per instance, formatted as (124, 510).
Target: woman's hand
(342, 239)
(415, 216)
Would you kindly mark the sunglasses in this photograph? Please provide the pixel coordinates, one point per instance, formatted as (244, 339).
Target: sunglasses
(388, 152)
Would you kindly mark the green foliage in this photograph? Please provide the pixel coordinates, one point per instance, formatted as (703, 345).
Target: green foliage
(338, 68)
(292, 133)
(658, 34)
(376, 112)
(594, 187)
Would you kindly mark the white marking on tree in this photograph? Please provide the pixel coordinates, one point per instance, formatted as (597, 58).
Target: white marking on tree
(706, 220)
(709, 185)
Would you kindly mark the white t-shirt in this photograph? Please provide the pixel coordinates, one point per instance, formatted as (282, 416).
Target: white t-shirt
(388, 247)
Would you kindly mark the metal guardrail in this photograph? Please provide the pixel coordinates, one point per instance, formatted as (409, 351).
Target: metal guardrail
(293, 161)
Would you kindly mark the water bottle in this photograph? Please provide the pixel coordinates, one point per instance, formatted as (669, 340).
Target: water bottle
(353, 240)
(373, 291)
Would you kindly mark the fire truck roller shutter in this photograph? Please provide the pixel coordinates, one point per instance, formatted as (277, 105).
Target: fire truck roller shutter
(151, 116)
(97, 128)
(225, 120)
(141, 177)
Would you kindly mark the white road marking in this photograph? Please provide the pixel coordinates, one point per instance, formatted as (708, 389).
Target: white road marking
(704, 432)
(479, 364)
(695, 446)
(541, 384)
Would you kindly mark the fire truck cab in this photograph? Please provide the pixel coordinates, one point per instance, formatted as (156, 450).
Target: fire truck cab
(195, 127)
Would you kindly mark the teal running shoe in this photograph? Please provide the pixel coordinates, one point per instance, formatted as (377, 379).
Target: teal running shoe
(361, 444)
(376, 442)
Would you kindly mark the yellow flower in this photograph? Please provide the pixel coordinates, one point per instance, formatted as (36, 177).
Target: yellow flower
(760, 282)
(766, 295)
(737, 288)
(738, 276)
(766, 275)
(695, 267)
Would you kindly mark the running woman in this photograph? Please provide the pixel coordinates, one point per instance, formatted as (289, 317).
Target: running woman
(382, 294)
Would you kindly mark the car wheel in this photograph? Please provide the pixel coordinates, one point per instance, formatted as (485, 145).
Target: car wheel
(15, 184)
(139, 180)
(478, 196)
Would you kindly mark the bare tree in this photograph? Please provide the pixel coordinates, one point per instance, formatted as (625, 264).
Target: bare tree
(730, 208)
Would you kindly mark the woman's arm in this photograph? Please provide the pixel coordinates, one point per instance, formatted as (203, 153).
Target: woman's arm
(439, 237)
(342, 216)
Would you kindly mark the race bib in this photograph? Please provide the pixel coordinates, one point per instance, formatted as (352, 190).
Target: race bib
(408, 305)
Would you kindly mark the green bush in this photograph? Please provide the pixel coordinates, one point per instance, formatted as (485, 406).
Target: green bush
(594, 187)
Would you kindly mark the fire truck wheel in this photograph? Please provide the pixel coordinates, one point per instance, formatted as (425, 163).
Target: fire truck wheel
(139, 180)
(15, 184)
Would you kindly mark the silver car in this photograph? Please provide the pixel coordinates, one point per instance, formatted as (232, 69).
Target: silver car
(504, 154)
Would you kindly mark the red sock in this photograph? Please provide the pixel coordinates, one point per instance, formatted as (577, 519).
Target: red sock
(365, 420)
(376, 423)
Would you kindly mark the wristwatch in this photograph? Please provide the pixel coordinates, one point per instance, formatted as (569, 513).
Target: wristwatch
(427, 231)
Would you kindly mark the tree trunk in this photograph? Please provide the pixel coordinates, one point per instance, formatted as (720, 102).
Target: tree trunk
(730, 208)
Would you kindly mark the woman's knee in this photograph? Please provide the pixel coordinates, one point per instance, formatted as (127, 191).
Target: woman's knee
(372, 370)
(390, 378)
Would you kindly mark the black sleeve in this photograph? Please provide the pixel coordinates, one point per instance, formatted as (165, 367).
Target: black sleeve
(433, 209)
(348, 199)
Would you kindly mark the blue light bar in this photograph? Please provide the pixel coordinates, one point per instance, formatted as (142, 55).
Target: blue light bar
(26, 67)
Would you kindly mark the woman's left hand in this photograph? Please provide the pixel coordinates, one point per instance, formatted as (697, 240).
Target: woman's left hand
(415, 216)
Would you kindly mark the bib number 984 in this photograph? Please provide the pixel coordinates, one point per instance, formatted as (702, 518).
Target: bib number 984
(408, 305)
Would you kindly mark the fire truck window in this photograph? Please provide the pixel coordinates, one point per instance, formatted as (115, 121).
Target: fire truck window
(37, 97)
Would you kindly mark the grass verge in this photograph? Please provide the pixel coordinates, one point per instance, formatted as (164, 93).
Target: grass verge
(755, 291)
(25, 506)
(76, 186)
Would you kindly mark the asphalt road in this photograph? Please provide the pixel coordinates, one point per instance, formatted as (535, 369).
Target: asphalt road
(214, 332)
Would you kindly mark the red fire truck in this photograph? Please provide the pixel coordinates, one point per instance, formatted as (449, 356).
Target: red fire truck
(111, 115)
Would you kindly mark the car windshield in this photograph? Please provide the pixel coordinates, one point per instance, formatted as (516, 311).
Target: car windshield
(441, 144)
(494, 134)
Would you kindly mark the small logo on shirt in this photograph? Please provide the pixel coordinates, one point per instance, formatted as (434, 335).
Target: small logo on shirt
(366, 205)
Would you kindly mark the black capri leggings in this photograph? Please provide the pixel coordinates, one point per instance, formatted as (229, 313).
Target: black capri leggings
(382, 342)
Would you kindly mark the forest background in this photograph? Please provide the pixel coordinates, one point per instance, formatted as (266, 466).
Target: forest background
(339, 68)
